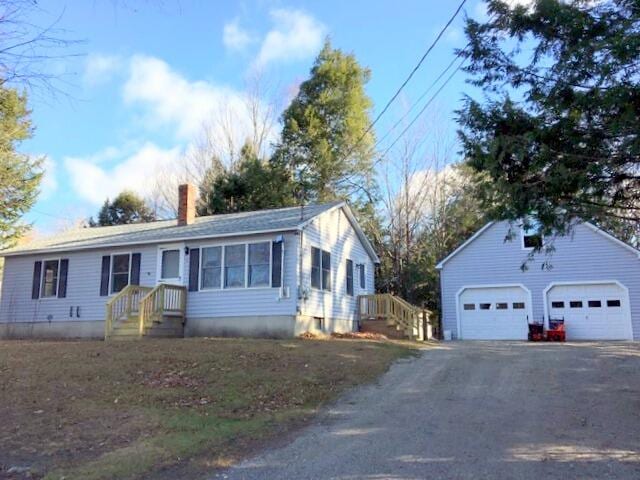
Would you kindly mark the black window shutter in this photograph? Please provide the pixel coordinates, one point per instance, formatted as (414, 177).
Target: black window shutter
(135, 269)
(35, 286)
(276, 264)
(104, 277)
(194, 269)
(62, 282)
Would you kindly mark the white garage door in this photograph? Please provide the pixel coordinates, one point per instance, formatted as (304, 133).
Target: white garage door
(494, 313)
(592, 311)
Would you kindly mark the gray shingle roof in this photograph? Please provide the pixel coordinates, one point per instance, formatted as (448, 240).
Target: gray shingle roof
(282, 219)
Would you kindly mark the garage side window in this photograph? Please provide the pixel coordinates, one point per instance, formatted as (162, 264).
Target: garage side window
(518, 305)
(502, 306)
(557, 304)
(485, 306)
(575, 304)
(594, 304)
(469, 306)
(613, 303)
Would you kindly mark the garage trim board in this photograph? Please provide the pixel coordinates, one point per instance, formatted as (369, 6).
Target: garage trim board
(522, 323)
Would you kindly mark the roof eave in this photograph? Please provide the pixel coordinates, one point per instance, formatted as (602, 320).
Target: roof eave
(147, 242)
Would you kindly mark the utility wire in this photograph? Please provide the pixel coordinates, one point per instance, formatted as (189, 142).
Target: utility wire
(406, 81)
(419, 99)
(422, 110)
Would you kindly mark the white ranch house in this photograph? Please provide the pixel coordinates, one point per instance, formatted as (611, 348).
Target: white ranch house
(274, 273)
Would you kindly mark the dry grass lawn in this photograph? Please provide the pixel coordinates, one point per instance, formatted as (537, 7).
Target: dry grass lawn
(165, 408)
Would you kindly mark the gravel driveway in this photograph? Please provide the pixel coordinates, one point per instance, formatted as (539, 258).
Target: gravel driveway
(478, 410)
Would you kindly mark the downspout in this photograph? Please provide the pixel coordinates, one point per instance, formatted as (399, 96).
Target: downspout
(300, 266)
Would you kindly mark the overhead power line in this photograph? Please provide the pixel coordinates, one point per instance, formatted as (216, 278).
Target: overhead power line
(406, 81)
(419, 99)
(422, 110)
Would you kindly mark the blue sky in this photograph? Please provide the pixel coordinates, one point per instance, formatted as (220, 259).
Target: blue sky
(148, 74)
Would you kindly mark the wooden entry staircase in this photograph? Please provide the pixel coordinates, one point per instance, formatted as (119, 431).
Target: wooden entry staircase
(137, 312)
(394, 317)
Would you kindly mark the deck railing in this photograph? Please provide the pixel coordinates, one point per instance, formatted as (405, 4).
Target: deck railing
(123, 305)
(163, 300)
(396, 312)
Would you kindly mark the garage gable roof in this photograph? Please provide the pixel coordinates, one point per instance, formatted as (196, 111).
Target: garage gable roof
(591, 226)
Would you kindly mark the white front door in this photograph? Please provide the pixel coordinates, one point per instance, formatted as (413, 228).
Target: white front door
(592, 311)
(494, 313)
(171, 264)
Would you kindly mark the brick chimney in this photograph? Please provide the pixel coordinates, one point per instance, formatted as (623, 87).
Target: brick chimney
(186, 204)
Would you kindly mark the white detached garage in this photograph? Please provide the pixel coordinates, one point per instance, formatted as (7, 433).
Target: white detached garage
(593, 283)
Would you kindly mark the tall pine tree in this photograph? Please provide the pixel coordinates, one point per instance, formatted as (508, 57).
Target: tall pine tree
(20, 174)
(323, 141)
(556, 136)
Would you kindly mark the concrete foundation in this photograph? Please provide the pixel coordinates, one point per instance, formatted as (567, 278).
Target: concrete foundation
(261, 326)
(78, 329)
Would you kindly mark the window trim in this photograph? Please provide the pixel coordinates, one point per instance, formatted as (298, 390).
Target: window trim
(246, 278)
(346, 284)
(111, 292)
(223, 246)
(201, 287)
(362, 275)
(522, 237)
(41, 280)
(181, 261)
(322, 286)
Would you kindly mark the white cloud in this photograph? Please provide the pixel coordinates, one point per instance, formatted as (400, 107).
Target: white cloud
(101, 68)
(94, 182)
(294, 36)
(235, 37)
(170, 100)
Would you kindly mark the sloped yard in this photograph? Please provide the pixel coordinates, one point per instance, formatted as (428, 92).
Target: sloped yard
(171, 408)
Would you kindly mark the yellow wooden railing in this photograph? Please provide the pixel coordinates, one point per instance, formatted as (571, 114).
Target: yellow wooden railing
(396, 312)
(163, 300)
(124, 304)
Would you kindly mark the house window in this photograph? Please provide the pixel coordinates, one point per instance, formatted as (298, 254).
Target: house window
(350, 277)
(502, 306)
(469, 306)
(50, 278)
(211, 267)
(518, 305)
(485, 306)
(170, 267)
(575, 304)
(320, 269)
(120, 269)
(594, 303)
(234, 263)
(613, 303)
(259, 254)
(363, 278)
(531, 235)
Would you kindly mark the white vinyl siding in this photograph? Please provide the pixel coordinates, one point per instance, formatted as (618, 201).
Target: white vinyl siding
(83, 287)
(334, 233)
(242, 302)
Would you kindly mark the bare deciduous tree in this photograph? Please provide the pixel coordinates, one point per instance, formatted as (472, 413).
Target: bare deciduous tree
(27, 49)
(217, 148)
